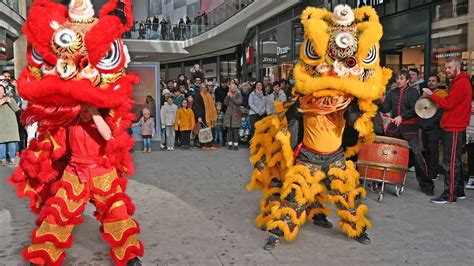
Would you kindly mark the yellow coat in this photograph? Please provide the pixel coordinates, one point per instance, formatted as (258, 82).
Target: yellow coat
(185, 118)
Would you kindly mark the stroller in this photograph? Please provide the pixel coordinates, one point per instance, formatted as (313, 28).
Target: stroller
(244, 131)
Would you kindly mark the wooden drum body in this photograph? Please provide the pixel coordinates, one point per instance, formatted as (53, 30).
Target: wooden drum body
(385, 153)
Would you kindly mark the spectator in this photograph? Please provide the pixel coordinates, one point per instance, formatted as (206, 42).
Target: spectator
(400, 102)
(182, 80)
(267, 81)
(221, 92)
(416, 81)
(205, 112)
(431, 132)
(454, 121)
(148, 26)
(190, 100)
(166, 94)
(171, 86)
(196, 72)
(232, 117)
(219, 129)
(156, 25)
(196, 86)
(9, 127)
(245, 91)
(147, 125)
(164, 29)
(178, 97)
(197, 23)
(182, 29)
(188, 27)
(285, 88)
(168, 119)
(142, 31)
(277, 96)
(183, 90)
(256, 106)
(150, 105)
(184, 124)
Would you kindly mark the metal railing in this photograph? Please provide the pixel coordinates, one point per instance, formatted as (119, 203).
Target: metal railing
(201, 24)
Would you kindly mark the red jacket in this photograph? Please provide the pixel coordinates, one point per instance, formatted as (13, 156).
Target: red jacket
(457, 105)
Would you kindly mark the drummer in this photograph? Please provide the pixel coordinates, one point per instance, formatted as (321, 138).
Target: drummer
(400, 103)
(431, 130)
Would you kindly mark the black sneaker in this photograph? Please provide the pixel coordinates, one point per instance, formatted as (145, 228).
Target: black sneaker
(428, 191)
(363, 239)
(134, 262)
(272, 242)
(461, 195)
(321, 220)
(439, 200)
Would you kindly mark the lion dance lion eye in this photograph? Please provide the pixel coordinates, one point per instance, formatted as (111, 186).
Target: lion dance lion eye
(309, 51)
(372, 56)
(113, 59)
(37, 58)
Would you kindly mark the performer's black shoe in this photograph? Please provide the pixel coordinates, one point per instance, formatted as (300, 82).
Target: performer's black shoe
(272, 242)
(134, 262)
(363, 239)
(320, 220)
(429, 191)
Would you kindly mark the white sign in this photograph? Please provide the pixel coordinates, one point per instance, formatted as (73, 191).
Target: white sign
(283, 50)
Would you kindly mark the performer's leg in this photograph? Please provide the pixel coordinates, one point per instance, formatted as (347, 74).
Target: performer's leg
(57, 220)
(114, 209)
(453, 142)
(299, 188)
(318, 210)
(270, 199)
(346, 197)
(421, 169)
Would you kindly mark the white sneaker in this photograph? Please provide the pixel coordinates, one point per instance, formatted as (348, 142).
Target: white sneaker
(172, 149)
(168, 149)
(470, 183)
(162, 146)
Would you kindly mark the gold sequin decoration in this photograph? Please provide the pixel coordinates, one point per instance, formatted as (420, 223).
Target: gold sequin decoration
(60, 232)
(28, 188)
(116, 229)
(102, 199)
(72, 206)
(36, 72)
(77, 186)
(104, 182)
(131, 241)
(107, 79)
(49, 247)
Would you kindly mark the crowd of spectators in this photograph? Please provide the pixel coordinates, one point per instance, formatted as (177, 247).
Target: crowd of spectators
(230, 109)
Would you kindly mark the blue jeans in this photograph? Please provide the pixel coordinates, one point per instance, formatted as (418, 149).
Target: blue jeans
(11, 150)
(219, 135)
(146, 143)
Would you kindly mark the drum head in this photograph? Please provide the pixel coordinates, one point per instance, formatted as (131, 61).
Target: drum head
(391, 141)
(425, 107)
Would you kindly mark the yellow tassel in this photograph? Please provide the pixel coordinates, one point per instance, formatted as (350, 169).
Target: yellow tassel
(288, 235)
(314, 211)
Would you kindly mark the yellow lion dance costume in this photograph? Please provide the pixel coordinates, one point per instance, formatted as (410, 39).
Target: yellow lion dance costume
(298, 154)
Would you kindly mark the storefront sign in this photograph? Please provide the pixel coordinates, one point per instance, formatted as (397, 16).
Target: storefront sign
(282, 52)
(269, 60)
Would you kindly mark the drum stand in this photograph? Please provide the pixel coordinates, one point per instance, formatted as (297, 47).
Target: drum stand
(399, 187)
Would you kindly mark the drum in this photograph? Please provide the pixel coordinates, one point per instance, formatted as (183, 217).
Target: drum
(385, 153)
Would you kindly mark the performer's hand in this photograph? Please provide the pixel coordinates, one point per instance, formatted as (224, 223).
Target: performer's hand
(427, 92)
(397, 120)
(199, 120)
(382, 98)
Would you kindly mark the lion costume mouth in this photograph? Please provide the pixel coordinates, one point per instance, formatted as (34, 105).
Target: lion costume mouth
(326, 70)
(325, 104)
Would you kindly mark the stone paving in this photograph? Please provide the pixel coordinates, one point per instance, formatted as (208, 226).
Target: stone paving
(193, 209)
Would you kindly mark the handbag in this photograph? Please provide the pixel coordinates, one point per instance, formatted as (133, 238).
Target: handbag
(205, 134)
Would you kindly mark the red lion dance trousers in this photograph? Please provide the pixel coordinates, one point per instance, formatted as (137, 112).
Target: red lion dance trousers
(83, 180)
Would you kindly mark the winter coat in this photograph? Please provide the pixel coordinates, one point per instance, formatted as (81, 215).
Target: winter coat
(233, 114)
(271, 99)
(457, 105)
(256, 104)
(147, 126)
(185, 118)
(402, 103)
(168, 114)
(8, 122)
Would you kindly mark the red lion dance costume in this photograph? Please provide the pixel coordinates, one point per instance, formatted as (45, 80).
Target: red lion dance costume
(76, 60)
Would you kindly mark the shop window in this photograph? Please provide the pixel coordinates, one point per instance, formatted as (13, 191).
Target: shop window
(298, 37)
(390, 7)
(209, 67)
(174, 70)
(413, 3)
(404, 5)
(228, 67)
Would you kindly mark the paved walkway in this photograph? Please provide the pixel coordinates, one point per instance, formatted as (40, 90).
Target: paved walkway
(194, 210)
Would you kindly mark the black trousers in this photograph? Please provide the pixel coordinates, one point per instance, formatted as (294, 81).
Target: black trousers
(184, 138)
(421, 168)
(453, 142)
(431, 139)
(253, 118)
(233, 135)
(470, 159)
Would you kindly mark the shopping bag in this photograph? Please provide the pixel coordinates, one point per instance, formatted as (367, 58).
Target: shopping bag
(205, 134)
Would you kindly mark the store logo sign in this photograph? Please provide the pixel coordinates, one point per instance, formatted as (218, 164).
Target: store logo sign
(283, 51)
(269, 60)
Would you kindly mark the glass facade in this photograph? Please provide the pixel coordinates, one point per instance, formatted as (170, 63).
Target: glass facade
(13, 4)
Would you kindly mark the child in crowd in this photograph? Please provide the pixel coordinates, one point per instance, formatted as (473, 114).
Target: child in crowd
(219, 129)
(168, 117)
(178, 97)
(147, 124)
(184, 124)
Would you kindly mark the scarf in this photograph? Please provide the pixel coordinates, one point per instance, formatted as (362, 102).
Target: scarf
(210, 109)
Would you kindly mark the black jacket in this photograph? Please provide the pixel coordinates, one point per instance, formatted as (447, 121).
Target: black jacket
(401, 102)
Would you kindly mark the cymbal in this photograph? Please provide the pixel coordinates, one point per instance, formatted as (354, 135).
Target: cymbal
(425, 107)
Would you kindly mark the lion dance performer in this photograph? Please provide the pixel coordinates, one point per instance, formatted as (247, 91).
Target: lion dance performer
(298, 155)
(80, 95)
